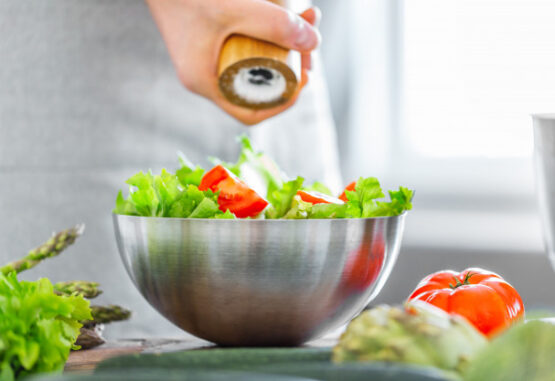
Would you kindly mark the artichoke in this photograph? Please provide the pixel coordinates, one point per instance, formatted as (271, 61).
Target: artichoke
(419, 334)
(524, 352)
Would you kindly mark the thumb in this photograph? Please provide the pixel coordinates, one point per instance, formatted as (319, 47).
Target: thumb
(269, 22)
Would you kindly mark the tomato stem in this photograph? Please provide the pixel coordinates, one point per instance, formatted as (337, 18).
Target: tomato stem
(458, 283)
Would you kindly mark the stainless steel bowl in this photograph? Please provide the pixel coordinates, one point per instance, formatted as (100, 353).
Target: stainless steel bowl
(258, 282)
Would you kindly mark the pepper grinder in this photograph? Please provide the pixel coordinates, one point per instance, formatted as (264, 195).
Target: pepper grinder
(257, 74)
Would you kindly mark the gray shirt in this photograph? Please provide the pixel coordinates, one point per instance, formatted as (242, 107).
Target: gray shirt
(88, 96)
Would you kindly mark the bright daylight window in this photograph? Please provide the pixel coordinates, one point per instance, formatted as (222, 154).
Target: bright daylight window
(467, 74)
(473, 72)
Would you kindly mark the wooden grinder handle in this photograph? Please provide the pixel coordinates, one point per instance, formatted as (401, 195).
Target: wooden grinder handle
(243, 56)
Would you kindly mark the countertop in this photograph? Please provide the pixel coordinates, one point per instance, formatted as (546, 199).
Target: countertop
(85, 361)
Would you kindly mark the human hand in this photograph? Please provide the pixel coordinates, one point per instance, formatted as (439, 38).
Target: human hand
(195, 30)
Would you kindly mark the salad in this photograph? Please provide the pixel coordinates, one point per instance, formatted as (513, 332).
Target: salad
(255, 188)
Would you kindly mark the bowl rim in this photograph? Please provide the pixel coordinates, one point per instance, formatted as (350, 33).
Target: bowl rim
(262, 220)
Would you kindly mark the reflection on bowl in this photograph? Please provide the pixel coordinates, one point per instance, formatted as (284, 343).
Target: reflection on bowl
(258, 282)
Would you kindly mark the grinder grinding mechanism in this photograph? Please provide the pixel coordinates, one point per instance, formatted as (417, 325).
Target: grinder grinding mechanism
(257, 74)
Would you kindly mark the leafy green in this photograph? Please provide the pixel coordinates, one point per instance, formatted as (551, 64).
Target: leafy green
(144, 198)
(363, 203)
(189, 174)
(319, 187)
(328, 211)
(169, 195)
(401, 200)
(37, 327)
(299, 209)
(189, 200)
(362, 200)
(123, 206)
(225, 216)
(255, 168)
(207, 208)
(177, 195)
(281, 198)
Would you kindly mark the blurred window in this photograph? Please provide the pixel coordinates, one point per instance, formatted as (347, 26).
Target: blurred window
(473, 72)
(440, 97)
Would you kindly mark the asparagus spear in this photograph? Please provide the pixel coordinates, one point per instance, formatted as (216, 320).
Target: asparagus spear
(86, 289)
(54, 246)
(107, 314)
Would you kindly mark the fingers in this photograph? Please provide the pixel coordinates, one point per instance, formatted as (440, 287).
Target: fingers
(269, 22)
(313, 16)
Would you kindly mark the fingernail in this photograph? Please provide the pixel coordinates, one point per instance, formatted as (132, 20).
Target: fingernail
(307, 37)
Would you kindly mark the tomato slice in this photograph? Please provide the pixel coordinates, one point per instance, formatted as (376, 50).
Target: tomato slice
(235, 195)
(351, 188)
(318, 198)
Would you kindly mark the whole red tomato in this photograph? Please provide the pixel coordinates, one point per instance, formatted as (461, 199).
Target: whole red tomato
(481, 296)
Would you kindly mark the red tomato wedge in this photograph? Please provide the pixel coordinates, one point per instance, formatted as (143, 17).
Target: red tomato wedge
(318, 198)
(235, 195)
(351, 188)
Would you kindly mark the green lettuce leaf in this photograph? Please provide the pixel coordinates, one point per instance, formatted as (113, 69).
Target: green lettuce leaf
(144, 198)
(319, 187)
(401, 200)
(167, 189)
(256, 169)
(169, 195)
(282, 198)
(299, 209)
(124, 206)
(225, 216)
(207, 208)
(364, 203)
(187, 202)
(37, 327)
(177, 195)
(328, 211)
(189, 174)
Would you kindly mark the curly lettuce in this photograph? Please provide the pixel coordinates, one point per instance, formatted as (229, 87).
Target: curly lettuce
(37, 327)
(281, 199)
(255, 168)
(170, 195)
(177, 195)
(364, 201)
